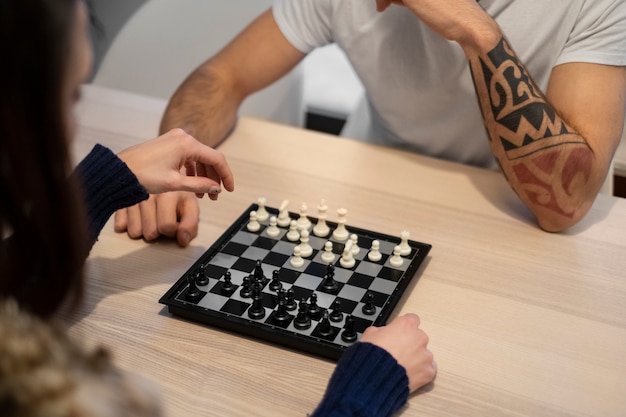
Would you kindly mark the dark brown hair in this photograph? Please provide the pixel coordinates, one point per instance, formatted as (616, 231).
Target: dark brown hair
(44, 242)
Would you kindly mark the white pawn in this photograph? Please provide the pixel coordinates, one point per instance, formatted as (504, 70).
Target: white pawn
(273, 230)
(328, 256)
(261, 212)
(341, 233)
(374, 254)
(405, 249)
(321, 229)
(396, 260)
(305, 249)
(355, 247)
(253, 225)
(293, 234)
(296, 260)
(347, 260)
(303, 220)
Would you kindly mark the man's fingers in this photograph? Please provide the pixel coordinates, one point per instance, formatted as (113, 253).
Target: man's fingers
(189, 213)
(120, 220)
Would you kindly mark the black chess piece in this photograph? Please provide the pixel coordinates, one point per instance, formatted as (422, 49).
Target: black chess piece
(291, 300)
(202, 279)
(193, 293)
(324, 328)
(275, 284)
(256, 310)
(227, 286)
(302, 320)
(329, 284)
(258, 272)
(246, 288)
(281, 315)
(369, 308)
(335, 311)
(349, 333)
(330, 270)
(315, 311)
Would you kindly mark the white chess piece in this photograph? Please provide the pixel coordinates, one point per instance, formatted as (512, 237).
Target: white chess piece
(341, 233)
(296, 260)
(261, 212)
(253, 225)
(328, 256)
(355, 247)
(321, 229)
(405, 249)
(273, 230)
(347, 260)
(303, 220)
(293, 234)
(396, 260)
(305, 249)
(374, 254)
(283, 214)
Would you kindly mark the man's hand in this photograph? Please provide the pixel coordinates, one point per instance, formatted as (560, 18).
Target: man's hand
(174, 215)
(463, 21)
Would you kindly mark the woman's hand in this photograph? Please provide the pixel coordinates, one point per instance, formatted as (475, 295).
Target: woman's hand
(408, 344)
(158, 165)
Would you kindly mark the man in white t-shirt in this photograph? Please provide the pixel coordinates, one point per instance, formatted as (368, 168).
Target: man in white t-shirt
(536, 87)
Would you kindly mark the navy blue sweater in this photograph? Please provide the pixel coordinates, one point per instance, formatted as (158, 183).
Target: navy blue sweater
(108, 185)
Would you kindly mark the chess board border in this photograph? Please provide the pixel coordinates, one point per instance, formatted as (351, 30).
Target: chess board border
(275, 334)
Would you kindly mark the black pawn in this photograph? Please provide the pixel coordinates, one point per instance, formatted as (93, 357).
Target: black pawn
(192, 294)
(330, 285)
(281, 315)
(302, 320)
(369, 308)
(335, 311)
(227, 286)
(256, 310)
(202, 279)
(349, 334)
(246, 288)
(315, 311)
(275, 284)
(324, 328)
(291, 300)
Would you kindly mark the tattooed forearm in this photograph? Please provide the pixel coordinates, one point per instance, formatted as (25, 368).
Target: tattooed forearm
(544, 159)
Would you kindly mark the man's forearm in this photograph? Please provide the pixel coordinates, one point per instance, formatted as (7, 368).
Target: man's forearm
(545, 160)
(203, 106)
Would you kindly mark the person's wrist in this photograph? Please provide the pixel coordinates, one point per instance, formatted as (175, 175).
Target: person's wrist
(481, 38)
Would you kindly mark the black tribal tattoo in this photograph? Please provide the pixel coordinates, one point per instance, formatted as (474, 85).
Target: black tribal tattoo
(526, 122)
(548, 160)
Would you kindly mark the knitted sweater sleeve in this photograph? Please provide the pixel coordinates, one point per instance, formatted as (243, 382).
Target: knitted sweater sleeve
(108, 185)
(368, 381)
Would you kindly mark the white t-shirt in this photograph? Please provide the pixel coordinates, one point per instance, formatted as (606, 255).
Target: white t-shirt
(418, 84)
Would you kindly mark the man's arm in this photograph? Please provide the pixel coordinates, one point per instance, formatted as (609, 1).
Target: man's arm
(206, 103)
(554, 148)
(205, 106)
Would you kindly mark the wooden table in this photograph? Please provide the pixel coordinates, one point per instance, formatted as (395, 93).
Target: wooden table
(522, 322)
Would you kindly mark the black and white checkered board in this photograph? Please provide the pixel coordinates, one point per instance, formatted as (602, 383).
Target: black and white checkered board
(238, 251)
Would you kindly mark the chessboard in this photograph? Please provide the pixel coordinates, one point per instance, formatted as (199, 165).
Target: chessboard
(297, 281)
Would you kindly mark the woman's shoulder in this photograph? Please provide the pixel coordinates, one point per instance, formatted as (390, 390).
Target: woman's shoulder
(42, 369)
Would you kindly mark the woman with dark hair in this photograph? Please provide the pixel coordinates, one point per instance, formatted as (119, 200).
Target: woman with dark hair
(42, 212)
(50, 217)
